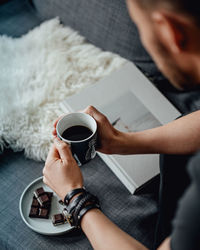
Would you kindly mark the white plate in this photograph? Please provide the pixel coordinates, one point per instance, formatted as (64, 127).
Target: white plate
(42, 226)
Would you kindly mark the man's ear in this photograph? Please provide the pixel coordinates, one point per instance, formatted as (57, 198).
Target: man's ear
(171, 31)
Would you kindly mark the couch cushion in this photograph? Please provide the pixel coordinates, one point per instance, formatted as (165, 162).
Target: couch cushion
(104, 23)
(17, 17)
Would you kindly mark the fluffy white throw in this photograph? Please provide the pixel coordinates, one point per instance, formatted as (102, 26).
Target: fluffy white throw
(37, 71)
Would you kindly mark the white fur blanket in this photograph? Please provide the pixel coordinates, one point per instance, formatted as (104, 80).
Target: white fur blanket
(37, 71)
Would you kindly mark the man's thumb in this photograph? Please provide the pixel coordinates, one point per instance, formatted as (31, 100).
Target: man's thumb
(63, 149)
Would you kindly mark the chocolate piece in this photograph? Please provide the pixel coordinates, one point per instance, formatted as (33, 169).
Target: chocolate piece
(44, 200)
(58, 219)
(35, 202)
(43, 213)
(34, 212)
(50, 194)
(38, 192)
(41, 204)
(47, 205)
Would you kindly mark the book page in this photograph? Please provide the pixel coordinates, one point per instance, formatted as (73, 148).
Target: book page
(128, 114)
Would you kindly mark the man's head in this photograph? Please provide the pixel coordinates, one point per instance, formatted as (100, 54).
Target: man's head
(170, 31)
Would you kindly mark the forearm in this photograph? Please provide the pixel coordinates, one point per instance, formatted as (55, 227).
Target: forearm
(181, 136)
(103, 234)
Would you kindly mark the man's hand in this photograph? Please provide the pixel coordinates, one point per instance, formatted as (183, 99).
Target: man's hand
(61, 172)
(177, 137)
(108, 136)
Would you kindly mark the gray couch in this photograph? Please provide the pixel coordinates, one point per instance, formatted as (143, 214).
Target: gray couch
(107, 25)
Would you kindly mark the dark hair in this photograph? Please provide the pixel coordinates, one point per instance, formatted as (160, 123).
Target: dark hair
(187, 7)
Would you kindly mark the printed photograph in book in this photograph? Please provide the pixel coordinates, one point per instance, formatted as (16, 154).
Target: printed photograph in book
(128, 114)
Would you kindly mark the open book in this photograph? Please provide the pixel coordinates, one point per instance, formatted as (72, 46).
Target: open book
(131, 103)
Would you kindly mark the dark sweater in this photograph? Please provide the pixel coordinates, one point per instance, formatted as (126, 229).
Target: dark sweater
(186, 225)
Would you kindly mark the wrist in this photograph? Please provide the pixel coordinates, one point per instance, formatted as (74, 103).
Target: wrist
(120, 143)
(137, 143)
(89, 216)
(129, 143)
(79, 206)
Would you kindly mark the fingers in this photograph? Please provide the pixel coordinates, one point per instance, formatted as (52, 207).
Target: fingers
(56, 121)
(55, 124)
(52, 155)
(98, 116)
(54, 133)
(63, 150)
(45, 180)
(91, 110)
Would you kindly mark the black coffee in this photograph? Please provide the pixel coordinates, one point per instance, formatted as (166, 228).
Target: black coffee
(76, 133)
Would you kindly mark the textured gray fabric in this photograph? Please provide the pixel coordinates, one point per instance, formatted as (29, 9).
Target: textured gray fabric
(134, 214)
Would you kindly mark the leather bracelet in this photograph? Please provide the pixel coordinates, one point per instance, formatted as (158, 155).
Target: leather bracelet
(87, 197)
(85, 210)
(74, 203)
(72, 193)
(70, 216)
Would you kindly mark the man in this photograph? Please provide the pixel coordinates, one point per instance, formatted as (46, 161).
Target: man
(170, 32)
